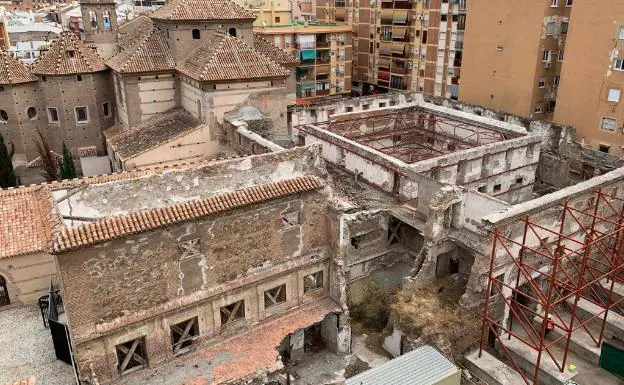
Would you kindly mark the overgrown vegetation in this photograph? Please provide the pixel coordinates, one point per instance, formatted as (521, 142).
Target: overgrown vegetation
(48, 163)
(7, 173)
(67, 169)
(374, 311)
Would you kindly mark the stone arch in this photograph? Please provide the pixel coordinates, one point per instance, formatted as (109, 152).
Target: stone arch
(106, 20)
(4, 292)
(93, 21)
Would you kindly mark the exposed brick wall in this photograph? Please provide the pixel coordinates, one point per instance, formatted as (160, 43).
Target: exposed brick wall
(142, 271)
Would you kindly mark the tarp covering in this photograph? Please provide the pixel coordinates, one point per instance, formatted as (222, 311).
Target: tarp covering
(308, 54)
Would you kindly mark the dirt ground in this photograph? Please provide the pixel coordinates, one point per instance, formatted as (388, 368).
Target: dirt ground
(431, 315)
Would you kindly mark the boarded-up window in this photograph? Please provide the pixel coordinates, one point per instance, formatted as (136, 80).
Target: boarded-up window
(233, 312)
(131, 356)
(608, 124)
(183, 334)
(275, 296)
(313, 281)
(290, 220)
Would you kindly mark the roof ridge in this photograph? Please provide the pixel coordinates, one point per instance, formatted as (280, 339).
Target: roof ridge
(140, 48)
(114, 227)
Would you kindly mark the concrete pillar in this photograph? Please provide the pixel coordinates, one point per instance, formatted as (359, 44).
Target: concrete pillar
(296, 345)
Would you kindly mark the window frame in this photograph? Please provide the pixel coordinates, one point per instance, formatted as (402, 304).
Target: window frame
(554, 27)
(121, 368)
(86, 108)
(621, 64)
(315, 276)
(277, 298)
(541, 82)
(105, 106)
(188, 328)
(232, 316)
(50, 120)
(560, 55)
(36, 114)
(602, 120)
(621, 35)
(556, 81)
(554, 3)
(569, 3)
(195, 34)
(619, 95)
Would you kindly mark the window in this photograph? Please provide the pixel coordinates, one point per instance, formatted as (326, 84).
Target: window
(233, 312)
(183, 334)
(81, 114)
(365, 106)
(349, 109)
(31, 112)
(541, 83)
(277, 19)
(497, 187)
(608, 124)
(557, 79)
(313, 282)
(443, 17)
(232, 31)
(621, 37)
(553, 3)
(455, 17)
(564, 27)
(196, 34)
(107, 109)
(43, 78)
(53, 116)
(603, 148)
(4, 117)
(619, 65)
(614, 95)
(519, 180)
(78, 78)
(550, 28)
(547, 55)
(538, 108)
(560, 55)
(569, 3)
(290, 220)
(71, 53)
(497, 285)
(381, 105)
(131, 356)
(274, 296)
(482, 189)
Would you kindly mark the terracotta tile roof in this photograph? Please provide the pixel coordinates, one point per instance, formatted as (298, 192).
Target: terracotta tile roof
(248, 353)
(223, 57)
(202, 10)
(28, 217)
(37, 161)
(109, 228)
(67, 55)
(133, 30)
(149, 53)
(279, 55)
(152, 133)
(82, 152)
(13, 71)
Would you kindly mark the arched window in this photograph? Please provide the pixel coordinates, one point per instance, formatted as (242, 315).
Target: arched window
(4, 293)
(107, 23)
(196, 34)
(232, 31)
(4, 117)
(93, 20)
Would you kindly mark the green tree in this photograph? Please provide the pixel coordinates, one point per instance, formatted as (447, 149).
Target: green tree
(48, 162)
(67, 169)
(7, 174)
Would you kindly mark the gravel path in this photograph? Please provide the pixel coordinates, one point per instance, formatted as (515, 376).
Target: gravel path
(26, 349)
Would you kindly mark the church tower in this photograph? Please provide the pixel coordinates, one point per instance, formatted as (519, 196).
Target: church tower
(100, 25)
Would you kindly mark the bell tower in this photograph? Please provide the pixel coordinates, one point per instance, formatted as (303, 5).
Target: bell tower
(99, 18)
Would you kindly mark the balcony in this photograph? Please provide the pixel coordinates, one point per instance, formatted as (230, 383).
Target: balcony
(322, 44)
(323, 92)
(399, 70)
(323, 69)
(322, 59)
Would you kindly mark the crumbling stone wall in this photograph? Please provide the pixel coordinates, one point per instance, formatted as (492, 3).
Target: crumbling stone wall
(122, 289)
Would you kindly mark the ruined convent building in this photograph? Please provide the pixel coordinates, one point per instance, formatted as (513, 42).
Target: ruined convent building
(124, 91)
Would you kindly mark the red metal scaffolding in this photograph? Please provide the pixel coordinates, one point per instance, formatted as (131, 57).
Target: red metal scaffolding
(578, 259)
(411, 134)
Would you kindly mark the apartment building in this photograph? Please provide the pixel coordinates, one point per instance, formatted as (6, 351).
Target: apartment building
(269, 14)
(403, 44)
(513, 55)
(325, 56)
(592, 78)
